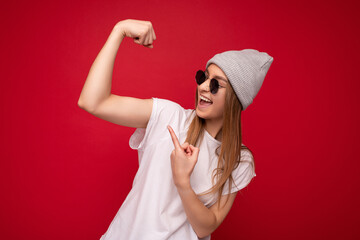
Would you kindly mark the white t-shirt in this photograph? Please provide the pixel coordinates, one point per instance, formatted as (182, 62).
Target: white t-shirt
(153, 209)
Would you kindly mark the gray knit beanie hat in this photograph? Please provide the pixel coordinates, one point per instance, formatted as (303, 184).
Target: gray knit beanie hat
(245, 69)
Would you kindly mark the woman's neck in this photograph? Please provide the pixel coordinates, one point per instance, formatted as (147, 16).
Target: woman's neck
(214, 128)
(219, 135)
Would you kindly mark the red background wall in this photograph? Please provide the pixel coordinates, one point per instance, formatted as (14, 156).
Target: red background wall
(64, 173)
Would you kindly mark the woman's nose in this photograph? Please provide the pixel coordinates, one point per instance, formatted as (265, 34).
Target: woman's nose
(205, 86)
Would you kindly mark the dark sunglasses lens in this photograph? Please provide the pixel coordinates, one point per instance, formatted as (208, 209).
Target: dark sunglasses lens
(200, 77)
(214, 86)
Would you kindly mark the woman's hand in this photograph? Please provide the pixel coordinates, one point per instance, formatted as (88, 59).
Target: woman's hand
(183, 160)
(141, 31)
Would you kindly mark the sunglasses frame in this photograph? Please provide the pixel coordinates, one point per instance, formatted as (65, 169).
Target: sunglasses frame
(214, 85)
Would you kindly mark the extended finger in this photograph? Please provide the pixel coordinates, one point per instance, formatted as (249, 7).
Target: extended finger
(174, 138)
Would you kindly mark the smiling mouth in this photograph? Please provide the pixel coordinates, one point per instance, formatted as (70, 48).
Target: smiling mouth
(203, 103)
(205, 100)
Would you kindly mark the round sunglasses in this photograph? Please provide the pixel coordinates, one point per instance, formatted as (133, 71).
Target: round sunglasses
(214, 84)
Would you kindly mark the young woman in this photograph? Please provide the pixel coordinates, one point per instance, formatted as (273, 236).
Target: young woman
(192, 163)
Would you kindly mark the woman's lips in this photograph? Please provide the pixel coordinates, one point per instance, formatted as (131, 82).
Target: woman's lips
(203, 104)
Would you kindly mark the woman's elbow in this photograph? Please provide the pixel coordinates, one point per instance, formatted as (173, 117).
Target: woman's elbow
(83, 106)
(202, 235)
(206, 232)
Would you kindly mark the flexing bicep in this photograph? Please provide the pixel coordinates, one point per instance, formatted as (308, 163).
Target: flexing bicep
(224, 209)
(125, 111)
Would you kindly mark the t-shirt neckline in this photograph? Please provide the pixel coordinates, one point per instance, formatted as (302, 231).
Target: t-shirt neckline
(211, 137)
(214, 139)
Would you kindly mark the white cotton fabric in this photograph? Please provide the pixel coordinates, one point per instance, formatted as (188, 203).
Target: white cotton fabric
(153, 209)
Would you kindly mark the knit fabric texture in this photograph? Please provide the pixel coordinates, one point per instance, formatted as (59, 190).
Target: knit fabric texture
(246, 71)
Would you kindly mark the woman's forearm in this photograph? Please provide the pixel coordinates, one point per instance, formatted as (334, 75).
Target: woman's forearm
(202, 219)
(97, 86)
(183, 160)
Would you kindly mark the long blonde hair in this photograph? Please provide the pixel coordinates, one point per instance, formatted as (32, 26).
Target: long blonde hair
(230, 148)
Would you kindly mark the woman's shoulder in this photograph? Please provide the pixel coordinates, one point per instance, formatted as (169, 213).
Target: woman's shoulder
(246, 154)
(172, 106)
(170, 109)
(165, 103)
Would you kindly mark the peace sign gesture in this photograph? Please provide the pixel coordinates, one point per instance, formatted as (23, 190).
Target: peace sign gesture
(183, 160)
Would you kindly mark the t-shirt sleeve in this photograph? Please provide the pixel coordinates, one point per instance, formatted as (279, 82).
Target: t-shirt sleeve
(243, 174)
(163, 113)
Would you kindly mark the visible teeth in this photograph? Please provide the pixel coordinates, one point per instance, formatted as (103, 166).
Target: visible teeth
(205, 99)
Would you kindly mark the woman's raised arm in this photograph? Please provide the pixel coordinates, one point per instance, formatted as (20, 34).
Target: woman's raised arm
(96, 97)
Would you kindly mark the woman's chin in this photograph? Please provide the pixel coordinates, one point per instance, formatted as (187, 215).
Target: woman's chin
(200, 114)
(207, 115)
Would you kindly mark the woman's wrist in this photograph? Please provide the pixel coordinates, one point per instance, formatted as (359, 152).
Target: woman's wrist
(119, 29)
(183, 184)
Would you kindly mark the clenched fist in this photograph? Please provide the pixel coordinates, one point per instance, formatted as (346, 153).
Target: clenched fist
(141, 31)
